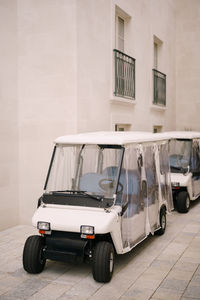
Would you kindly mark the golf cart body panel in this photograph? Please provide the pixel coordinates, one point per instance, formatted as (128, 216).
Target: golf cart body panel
(183, 181)
(62, 218)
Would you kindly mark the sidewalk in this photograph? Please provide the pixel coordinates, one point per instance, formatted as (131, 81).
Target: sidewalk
(165, 267)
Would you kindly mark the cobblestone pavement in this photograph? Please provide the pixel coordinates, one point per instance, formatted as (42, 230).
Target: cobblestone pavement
(165, 267)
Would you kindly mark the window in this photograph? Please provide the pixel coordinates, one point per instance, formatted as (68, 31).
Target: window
(180, 153)
(120, 34)
(82, 167)
(122, 127)
(121, 21)
(124, 65)
(157, 52)
(155, 55)
(159, 88)
(159, 78)
(157, 129)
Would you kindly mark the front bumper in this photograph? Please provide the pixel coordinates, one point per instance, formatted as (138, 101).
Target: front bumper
(65, 247)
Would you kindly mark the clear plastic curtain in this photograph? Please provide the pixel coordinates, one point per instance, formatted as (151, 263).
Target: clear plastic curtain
(131, 195)
(141, 216)
(166, 189)
(152, 186)
(63, 168)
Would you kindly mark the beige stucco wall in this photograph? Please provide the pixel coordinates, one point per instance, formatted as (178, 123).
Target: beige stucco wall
(9, 212)
(188, 64)
(47, 84)
(93, 65)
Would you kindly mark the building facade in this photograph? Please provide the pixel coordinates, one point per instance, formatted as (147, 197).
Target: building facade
(72, 66)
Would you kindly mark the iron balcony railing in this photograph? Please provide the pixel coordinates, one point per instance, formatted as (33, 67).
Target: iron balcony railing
(124, 75)
(159, 81)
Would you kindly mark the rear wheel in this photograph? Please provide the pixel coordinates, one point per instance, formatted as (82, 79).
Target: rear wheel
(163, 222)
(33, 260)
(103, 262)
(183, 202)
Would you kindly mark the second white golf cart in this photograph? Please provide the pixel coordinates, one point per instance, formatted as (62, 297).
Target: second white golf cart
(184, 150)
(105, 192)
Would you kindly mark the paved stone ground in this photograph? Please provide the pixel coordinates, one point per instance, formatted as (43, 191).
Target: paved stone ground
(165, 267)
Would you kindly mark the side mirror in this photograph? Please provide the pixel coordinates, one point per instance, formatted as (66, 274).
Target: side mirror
(40, 200)
(144, 188)
(186, 170)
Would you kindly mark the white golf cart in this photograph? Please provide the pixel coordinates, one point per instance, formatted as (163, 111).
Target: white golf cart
(184, 149)
(105, 192)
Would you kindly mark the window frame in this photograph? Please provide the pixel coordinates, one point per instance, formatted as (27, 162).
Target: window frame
(118, 37)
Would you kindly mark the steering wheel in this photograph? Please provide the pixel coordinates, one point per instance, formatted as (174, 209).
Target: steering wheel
(107, 183)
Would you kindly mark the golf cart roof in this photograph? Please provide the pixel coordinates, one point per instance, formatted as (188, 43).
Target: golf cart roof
(180, 134)
(109, 138)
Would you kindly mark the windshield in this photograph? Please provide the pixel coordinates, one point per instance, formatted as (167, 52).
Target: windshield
(91, 169)
(180, 153)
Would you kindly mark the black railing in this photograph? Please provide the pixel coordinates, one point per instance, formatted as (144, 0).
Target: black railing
(159, 80)
(124, 75)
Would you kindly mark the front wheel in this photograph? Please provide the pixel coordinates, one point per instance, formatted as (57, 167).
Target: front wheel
(33, 260)
(183, 202)
(103, 262)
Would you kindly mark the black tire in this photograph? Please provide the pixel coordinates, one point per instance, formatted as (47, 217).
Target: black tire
(163, 222)
(183, 202)
(103, 262)
(33, 260)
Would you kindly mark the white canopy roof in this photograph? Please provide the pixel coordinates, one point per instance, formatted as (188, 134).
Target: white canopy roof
(109, 138)
(180, 134)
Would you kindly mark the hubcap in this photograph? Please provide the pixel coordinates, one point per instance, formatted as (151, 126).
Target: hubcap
(111, 262)
(163, 222)
(187, 202)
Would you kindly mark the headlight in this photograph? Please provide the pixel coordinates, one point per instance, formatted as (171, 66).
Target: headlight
(43, 226)
(87, 232)
(87, 229)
